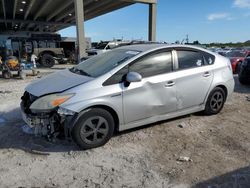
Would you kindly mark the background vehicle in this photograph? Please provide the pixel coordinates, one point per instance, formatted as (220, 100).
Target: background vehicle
(237, 57)
(244, 74)
(48, 47)
(125, 88)
(44, 46)
(105, 46)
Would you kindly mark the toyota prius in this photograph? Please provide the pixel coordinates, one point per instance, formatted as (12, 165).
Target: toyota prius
(127, 87)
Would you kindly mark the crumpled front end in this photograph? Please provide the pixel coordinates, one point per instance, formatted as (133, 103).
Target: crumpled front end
(49, 123)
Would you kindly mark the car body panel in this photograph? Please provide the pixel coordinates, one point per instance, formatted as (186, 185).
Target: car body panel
(152, 96)
(158, 118)
(189, 83)
(86, 97)
(53, 83)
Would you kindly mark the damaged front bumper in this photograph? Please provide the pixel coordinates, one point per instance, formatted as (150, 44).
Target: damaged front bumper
(49, 124)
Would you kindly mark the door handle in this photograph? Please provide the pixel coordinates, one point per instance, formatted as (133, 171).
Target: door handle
(206, 74)
(170, 84)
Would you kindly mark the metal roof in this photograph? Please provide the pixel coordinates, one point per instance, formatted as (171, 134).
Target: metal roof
(52, 15)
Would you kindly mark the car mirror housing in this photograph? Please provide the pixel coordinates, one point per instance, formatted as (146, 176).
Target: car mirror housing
(133, 77)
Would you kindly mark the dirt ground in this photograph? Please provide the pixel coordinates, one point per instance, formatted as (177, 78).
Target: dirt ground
(191, 151)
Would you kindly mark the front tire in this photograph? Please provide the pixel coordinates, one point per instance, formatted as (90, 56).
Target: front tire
(93, 129)
(215, 101)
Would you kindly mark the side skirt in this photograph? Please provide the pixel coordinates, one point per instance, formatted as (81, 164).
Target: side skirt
(155, 119)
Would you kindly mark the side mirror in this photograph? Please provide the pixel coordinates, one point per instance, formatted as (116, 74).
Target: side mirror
(133, 77)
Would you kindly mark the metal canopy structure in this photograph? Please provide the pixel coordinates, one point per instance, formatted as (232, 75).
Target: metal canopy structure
(54, 15)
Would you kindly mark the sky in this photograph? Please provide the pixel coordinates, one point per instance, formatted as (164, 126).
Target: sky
(203, 20)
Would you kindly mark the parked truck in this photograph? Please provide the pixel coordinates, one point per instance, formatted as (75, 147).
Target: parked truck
(48, 47)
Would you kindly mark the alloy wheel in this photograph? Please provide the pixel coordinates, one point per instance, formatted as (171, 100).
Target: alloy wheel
(217, 101)
(94, 130)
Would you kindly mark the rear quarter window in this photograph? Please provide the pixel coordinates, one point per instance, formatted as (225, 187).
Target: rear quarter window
(209, 58)
(189, 59)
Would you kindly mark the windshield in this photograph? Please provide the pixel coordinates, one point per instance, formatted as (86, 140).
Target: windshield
(235, 54)
(103, 63)
(101, 45)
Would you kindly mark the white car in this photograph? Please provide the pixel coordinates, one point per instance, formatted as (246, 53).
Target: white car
(104, 46)
(125, 88)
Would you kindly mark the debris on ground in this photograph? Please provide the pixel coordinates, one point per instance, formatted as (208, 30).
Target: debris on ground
(5, 92)
(36, 152)
(182, 125)
(184, 159)
(248, 98)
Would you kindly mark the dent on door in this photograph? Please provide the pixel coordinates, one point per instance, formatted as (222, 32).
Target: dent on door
(148, 98)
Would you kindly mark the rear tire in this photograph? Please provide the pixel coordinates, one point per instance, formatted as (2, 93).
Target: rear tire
(215, 101)
(6, 74)
(47, 60)
(93, 129)
(243, 81)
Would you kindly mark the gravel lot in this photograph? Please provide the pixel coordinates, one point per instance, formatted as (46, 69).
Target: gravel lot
(191, 151)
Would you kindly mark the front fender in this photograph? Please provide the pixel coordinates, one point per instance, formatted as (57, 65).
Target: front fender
(114, 103)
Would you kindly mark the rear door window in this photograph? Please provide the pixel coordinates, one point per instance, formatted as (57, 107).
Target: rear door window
(189, 59)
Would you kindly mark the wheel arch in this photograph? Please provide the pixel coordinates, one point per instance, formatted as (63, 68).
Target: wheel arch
(224, 89)
(108, 109)
(220, 85)
(47, 52)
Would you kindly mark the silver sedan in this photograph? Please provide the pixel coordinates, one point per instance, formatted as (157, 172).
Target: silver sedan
(125, 88)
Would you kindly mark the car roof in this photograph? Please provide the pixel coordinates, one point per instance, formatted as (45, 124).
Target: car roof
(142, 47)
(149, 47)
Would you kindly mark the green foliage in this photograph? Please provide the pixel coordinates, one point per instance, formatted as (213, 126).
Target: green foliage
(234, 45)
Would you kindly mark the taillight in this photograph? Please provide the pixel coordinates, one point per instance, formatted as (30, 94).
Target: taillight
(229, 65)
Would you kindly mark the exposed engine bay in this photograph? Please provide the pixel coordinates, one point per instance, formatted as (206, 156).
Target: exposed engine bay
(47, 124)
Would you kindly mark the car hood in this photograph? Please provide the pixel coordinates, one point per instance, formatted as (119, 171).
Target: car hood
(56, 82)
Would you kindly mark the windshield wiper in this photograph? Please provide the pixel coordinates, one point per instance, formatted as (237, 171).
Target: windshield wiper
(79, 71)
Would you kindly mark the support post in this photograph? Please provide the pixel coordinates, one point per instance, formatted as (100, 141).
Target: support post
(81, 43)
(152, 22)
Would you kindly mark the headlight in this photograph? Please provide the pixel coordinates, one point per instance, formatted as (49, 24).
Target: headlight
(63, 111)
(49, 102)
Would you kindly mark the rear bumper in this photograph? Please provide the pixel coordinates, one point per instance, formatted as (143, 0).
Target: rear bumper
(230, 88)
